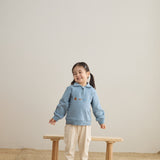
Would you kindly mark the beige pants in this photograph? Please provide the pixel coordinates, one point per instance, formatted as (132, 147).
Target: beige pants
(77, 134)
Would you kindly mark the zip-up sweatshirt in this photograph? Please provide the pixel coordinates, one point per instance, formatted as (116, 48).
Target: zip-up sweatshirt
(76, 104)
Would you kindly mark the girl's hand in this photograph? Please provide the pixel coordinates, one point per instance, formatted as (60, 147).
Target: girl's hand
(52, 121)
(103, 126)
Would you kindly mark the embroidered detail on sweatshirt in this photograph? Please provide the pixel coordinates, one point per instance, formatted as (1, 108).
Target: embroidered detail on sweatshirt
(78, 99)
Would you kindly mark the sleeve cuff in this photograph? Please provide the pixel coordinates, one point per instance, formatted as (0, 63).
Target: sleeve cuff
(101, 121)
(55, 118)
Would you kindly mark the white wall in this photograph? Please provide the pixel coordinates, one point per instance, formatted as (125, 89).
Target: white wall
(39, 43)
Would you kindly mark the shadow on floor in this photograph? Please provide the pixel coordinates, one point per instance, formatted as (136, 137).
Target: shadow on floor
(34, 154)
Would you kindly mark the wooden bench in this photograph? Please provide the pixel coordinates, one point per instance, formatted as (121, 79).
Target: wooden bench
(109, 142)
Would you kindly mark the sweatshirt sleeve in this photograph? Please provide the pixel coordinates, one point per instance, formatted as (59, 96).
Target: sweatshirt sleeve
(97, 110)
(62, 107)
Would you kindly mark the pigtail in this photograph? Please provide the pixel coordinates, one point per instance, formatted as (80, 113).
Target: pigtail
(92, 82)
(72, 83)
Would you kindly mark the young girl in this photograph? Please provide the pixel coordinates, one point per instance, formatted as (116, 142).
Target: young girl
(76, 105)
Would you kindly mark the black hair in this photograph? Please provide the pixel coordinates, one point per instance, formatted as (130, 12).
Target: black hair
(85, 66)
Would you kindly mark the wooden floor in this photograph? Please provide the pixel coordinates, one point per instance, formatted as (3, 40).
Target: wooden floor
(33, 154)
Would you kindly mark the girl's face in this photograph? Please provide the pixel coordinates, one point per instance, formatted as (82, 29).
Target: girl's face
(80, 75)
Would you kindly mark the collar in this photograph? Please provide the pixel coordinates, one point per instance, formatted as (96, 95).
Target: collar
(78, 85)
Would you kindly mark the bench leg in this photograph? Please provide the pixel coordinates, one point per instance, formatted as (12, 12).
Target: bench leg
(55, 150)
(109, 151)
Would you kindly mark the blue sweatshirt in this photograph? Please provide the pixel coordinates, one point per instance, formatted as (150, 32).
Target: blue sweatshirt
(76, 104)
